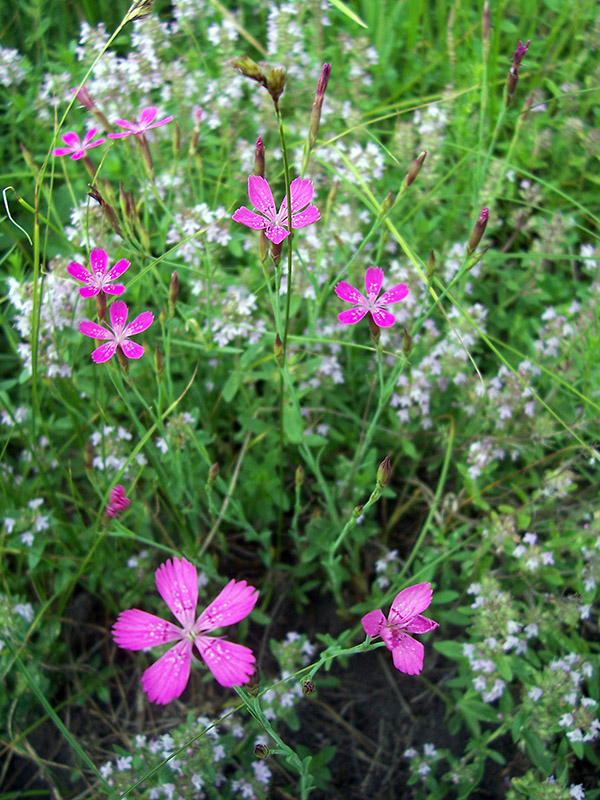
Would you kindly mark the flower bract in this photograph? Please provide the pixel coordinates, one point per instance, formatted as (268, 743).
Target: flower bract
(75, 146)
(177, 583)
(118, 335)
(371, 303)
(275, 223)
(146, 121)
(404, 618)
(98, 279)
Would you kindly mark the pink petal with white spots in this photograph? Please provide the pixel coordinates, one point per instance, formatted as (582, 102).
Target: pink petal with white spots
(409, 603)
(94, 330)
(249, 218)
(177, 583)
(373, 280)
(141, 323)
(118, 315)
(113, 288)
(276, 234)
(232, 604)
(167, 678)
(79, 272)
(104, 352)
(136, 630)
(132, 349)
(147, 116)
(352, 316)
(420, 624)
(373, 622)
(383, 318)
(301, 191)
(261, 196)
(394, 295)
(231, 664)
(119, 268)
(345, 291)
(408, 655)
(89, 291)
(306, 217)
(99, 261)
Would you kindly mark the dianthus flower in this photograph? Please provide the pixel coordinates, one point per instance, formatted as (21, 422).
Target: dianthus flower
(371, 303)
(117, 502)
(273, 222)
(404, 618)
(76, 148)
(120, 333)
(98, 280)
(147, 117)
(177, 583)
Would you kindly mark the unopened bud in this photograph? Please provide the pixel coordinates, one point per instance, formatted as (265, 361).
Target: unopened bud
(315, 114)
(356, 512)
(81, 93)
(162, 317)
(308, 687)
(259, 158)
(276, 252)
(384, 472)
(197, 116)
(261, 751)
(278, 350)
(299, 477)
(415, 168)
(276, 80)
(213, 474)
(250, 69)
(406, 342)
(173, 293)
(430, 265)
(88, 455)
(478, 231)
(513, 73)
(387, 204)
(107, 209)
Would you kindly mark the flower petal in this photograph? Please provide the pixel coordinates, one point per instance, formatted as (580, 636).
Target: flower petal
(421, 624)
(94, 330)
(141, 323)
(119, 268)
(94, 144)
(89, 291)
(306, 217)
(409, 603)
(132, 349)
(408, 655)
(77, 155)
(394, 295)
(261, 196)
(118, 315)
(88, 137)
(345, 291)
(160, 122)
(104, 352)
(136, 630)
(121, 135)
(231, 664)
(373, 280)
(147, 116)
(99, 261)
(373, 622)
(113, 288)
(62, 151)
(177, 583)
(167, 678)
(352, 316)
(301, 192)
(249, 218)
(124, 123)
(276, 234)
(232, 604)
(79, 272)
(383, 318)
(72, 139)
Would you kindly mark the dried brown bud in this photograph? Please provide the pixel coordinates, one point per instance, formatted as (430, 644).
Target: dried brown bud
(308, 687)
(415, 168)
(250, 69)
(213, 473)
(107, 209)
(478, 231)
(261, 751)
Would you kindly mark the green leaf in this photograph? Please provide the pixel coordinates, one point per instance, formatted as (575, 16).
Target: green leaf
(292, 424)
(348, 12)
(537, 751)
(232, 384)
(449, 649)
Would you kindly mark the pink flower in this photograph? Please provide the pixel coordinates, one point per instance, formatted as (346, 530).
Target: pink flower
(146, 122)
(117, 502)
(98, 280)
(177, 583)
(76, 148)
(404, 618)
(370, 303)
(273, 222)
(120, 333)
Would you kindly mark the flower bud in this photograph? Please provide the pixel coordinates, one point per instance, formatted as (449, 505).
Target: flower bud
(107, 209)
(261, 751)
(259, 158)
(315, 114)
(278, 350)
(81, 93)
(159, 363)
(387, 204)
(430, 265)
(384, 472)
(250, 69)
(173, 293)
(415, 168)
(88, 455)
(213, 474)
(513, 73)
(406, 342)
(308, 687)
(356, 512)
(299, 477)
(478, 231)
(276, 80)
(485, 22)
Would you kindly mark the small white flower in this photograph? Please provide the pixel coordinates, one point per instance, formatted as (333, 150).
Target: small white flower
(535, 693)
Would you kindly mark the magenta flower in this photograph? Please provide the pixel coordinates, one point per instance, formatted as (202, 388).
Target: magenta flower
(370, 303)
(177, 583)
(404, 618)
(117, 502)
(273, 222)
(99, 280)
(119, 335)
(146, 122)
(76, 148)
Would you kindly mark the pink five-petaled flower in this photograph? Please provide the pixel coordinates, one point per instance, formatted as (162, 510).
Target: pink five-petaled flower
(177, 583)
(98, 280)
(146, 122)
(273, 222)
(120, 333)
(404, 618)
(76, 148)
(117, 502)
(370, 303)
